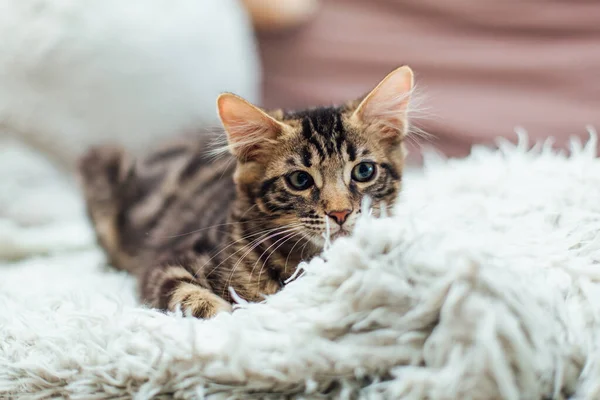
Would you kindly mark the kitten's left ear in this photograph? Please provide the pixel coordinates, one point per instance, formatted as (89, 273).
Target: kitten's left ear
(250, 131)
(384, 110)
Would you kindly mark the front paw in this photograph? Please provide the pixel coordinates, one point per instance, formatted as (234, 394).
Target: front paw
(212, 308)
(197, 301)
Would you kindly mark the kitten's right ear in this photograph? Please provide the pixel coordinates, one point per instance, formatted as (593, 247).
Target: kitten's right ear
(250, 130)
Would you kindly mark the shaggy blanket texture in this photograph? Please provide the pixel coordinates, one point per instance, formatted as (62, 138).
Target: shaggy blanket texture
(483, 284)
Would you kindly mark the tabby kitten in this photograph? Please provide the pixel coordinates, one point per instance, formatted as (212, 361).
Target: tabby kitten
(190, 224)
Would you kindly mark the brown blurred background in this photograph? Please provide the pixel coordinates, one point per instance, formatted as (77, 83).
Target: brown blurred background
(483, 67)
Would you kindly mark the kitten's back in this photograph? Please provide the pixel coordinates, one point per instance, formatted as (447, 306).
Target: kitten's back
(150, 209)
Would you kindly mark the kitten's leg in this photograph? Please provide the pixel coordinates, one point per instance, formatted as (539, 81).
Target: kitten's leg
(171, 285)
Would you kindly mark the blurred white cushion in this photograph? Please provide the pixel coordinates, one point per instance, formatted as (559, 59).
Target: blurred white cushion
(78, 72)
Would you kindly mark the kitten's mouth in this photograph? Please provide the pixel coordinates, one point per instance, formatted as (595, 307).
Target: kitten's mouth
(340, 233)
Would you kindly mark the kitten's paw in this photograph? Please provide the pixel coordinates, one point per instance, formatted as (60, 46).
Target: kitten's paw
(199, 302)
(217, 306)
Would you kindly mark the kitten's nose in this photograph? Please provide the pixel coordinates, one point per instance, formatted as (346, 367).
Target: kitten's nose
(339, 216)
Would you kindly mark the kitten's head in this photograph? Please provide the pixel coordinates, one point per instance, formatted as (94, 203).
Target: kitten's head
(312, 168)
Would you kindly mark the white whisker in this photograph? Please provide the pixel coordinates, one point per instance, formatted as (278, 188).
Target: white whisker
(285, 239)
(383, 210)
(327, 233)
(263, 233)
(252, 247)
(292, 250)
(297, 273)
(236, 298)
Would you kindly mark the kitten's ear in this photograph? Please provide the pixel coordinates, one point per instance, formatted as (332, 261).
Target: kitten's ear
(250, 130)
(384, 110)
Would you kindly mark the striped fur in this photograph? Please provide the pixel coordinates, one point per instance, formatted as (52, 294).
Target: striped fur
(190, 225)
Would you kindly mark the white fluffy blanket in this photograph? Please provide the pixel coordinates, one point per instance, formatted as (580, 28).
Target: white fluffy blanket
(483, 285)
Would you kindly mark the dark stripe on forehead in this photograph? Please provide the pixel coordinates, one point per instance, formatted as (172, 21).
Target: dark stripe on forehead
(307, 131)
(324, 119)
(317, 146)
(325, 125)
(340, 138)
(330, 145)
(324, 128)
(291, 162)
(306, 157)
(338, 133)
(339, 127)
(310, 134)
(351, 150)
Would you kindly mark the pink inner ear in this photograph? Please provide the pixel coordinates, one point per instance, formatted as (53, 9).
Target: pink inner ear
(385, 108)
(248, 128)
(391, 105)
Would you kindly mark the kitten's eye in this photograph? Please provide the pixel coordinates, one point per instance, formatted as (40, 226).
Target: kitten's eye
(300, 180)
(363, 172)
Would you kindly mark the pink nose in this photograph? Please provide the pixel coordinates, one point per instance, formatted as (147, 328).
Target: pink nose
(339, 216)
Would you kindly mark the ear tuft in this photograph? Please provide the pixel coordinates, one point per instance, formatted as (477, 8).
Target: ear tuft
(384, 110)
(250, 130)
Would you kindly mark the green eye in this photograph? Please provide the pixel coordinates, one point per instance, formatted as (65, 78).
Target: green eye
(363, 172)
(300, 180)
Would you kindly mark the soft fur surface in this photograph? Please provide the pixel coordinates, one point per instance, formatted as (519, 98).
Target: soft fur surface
(484, 284)
(78, 72)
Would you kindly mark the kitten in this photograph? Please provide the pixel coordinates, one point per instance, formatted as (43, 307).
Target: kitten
(190, 224)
